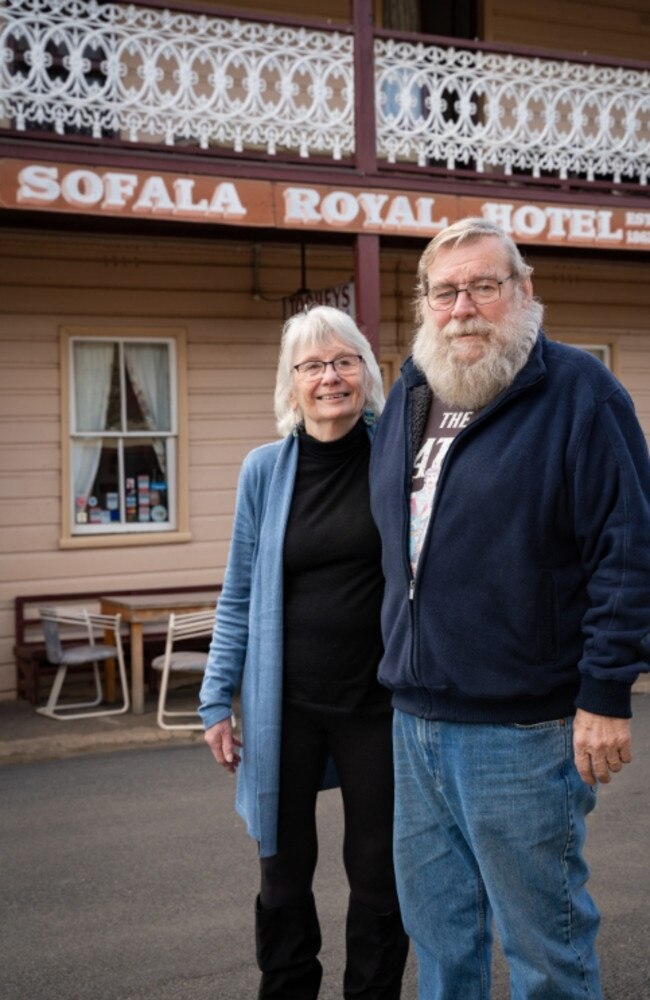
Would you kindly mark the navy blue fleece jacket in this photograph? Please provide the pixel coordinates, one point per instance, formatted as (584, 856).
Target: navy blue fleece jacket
(532, 594)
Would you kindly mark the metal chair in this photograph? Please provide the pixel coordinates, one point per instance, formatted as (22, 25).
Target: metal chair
(182, 627)
(80, 654)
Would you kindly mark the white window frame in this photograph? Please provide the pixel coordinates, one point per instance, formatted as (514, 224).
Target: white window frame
(602, 344)
(176, 528)
(601, 351)
(389, 366)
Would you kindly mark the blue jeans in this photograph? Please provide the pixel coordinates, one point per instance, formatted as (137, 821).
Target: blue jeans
(490, 825)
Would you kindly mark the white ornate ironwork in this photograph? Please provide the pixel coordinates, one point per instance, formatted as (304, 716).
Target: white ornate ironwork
(483, 109)
(160, 76)
(166, 76)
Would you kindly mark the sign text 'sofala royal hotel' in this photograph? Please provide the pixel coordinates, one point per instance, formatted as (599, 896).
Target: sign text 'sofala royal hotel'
(47, 186)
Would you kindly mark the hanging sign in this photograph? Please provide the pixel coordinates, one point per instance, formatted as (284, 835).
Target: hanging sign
(339, 296)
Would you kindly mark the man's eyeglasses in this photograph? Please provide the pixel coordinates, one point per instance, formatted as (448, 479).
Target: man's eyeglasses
(481, 292)
(347, 364)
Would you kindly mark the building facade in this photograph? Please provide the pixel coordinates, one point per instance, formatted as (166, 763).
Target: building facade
(176, 179)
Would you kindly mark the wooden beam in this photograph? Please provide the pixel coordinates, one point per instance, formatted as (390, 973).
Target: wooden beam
(364, 87)
(367, 287)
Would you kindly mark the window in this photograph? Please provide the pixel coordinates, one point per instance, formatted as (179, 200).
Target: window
(454, 18)
(389, 366)
(601, 351)
(121, 476)
(592, 341)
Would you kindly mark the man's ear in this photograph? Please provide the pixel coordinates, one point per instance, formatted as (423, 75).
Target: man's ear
(527, 288)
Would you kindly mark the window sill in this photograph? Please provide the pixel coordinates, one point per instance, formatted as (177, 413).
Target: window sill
(119, 541)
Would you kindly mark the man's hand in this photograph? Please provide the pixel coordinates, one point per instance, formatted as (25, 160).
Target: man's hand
(221, 741)
(601, 745)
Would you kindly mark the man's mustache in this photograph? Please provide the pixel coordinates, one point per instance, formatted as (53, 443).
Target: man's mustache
(472, 328)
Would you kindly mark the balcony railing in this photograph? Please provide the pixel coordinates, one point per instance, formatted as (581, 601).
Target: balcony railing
(144, 75)
(514, 112)
(172, 77)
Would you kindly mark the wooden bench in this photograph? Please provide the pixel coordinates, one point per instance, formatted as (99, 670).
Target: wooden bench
(29, 649)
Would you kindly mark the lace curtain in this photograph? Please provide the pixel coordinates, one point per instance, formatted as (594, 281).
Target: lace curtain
(93, 364)
(148, 369)
(401, 15)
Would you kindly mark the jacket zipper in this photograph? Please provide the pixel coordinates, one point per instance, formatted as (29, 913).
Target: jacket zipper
(413, 578)
(408, 475)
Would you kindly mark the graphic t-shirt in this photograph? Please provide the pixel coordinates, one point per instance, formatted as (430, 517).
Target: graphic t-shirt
(443, 424)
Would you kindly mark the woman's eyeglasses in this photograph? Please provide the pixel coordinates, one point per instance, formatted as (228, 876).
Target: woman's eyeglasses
(347, 364)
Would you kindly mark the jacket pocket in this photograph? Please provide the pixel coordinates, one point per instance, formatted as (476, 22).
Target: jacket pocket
(547, 619)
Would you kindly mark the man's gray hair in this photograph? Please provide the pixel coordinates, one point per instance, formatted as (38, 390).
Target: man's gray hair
(316, 328)
(466, 230)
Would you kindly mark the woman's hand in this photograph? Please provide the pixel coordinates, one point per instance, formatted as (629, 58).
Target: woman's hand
(221, 741)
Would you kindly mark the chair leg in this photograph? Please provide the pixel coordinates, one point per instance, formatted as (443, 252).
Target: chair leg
(57, 684)
(98, 687)
(162, 697)
(126, 701)
(164, 713)
(63, 713)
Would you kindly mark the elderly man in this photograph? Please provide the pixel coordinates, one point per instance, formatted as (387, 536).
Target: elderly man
(511, 486)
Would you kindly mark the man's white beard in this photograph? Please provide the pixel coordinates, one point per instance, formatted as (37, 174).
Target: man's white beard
(471, 385)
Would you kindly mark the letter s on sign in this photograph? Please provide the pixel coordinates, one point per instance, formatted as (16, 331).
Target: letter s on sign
(38, 184)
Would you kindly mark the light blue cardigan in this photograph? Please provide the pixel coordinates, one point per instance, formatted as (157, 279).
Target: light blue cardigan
(246, 647)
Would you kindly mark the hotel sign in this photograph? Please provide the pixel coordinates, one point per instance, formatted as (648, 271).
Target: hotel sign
(96, 190)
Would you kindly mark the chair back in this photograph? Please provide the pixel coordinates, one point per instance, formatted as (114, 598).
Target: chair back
(50, 626)
(191, 625)
(80, 628)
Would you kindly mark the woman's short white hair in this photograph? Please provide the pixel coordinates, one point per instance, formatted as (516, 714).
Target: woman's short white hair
(317, 328)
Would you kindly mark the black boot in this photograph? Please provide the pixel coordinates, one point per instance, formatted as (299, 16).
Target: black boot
(287, 940)
(377, 948)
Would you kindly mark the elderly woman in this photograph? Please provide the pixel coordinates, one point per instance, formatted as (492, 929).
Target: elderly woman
(298, 627)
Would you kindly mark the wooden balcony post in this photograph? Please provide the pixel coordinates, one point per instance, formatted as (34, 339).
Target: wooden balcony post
(367, 287)
(364, 87)
(366, 257)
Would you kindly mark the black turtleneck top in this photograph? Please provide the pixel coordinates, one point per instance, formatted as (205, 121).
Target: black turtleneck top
(333, 584)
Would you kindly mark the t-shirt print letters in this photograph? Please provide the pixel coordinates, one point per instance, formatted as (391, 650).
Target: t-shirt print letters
(443, 424)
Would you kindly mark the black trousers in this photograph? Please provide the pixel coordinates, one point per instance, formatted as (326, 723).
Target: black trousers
(361, 746)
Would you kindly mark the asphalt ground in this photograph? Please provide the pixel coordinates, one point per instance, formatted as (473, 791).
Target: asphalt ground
(126, 874)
